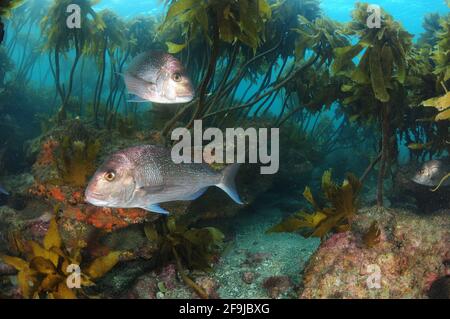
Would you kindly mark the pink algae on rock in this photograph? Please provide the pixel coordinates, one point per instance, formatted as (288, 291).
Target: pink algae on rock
(411, 254)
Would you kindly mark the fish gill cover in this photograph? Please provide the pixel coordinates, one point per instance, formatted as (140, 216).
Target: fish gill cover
(354, 89)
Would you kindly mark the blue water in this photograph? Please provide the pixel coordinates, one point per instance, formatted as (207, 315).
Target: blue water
(288, 253)
(409, 13)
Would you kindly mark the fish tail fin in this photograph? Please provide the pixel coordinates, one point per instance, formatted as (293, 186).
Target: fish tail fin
(227, 183)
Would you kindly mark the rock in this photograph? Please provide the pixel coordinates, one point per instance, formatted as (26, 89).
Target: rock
(254, 259)
(440, 289)
(248, 277)
(7, 270)
(209, 285)
(145, 287)
(412, 249)
(276, 285)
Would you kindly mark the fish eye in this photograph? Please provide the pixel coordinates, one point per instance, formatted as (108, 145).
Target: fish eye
(176, 77)
(110, 176)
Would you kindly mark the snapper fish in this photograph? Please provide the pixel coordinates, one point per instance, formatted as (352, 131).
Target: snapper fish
(145, 176)
(432, 173)
(156, 76)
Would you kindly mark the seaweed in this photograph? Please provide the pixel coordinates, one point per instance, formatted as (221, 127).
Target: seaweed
(372, 236)
(375, 85)
(191, 248)
(441, 182)
(76, 160)
(232, 20)
(441, 104)
(6, 6)
(62, 40)
(337, 215)
(441, 53)
(44, 270)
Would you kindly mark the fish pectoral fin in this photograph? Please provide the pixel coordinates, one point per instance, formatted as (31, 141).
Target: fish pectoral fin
(155, 208)
(138, 86)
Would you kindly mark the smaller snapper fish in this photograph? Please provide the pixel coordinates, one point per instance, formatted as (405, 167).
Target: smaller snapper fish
(156, 76)
(145, 176)
(432, 172)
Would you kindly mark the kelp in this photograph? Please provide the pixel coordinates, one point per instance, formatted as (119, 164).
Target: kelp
(60, 40)
(196, 248)
(241, 20)
(384, 53)
(6, 65)
(322, 35)
(337, 215)
(441, 53)
(76, 160)
(374, 72)
(191, 248)
(441, 182)
(441, 58)
(6, 6)
(431, 25)
(44, 269)
(372, 236)
(442, 104)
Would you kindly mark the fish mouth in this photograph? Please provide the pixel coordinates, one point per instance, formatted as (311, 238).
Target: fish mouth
(95, 199)
(184, 98)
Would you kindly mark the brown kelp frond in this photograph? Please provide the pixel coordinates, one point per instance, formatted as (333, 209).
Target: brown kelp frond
(372, 236)
(233, 20)
(322, 35)
(76, 160)
(384, 52)
(63, 39)
(6, 6)
(441, 182)
(196, 248)
(191, 248)
(337, 215)
(441, 53)
(442, 104)
(44, 270)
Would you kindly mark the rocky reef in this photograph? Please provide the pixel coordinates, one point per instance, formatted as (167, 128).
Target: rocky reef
(64, 159)
(410, 254)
